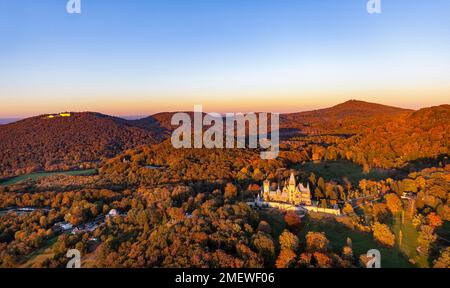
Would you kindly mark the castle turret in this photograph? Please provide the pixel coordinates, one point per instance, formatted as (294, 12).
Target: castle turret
(266, 186)
(304, 189)
(292, 179)
(292, 188)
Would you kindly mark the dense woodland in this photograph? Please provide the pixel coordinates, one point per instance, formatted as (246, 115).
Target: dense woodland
(82, 140)
(187, 208)
(195, 225)
(64, 143)
(372, 135)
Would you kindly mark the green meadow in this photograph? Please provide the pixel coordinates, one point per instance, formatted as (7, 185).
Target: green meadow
(362, 242)
(331, 170)
(37, 176)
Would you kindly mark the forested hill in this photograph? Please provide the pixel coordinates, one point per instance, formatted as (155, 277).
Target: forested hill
(355, 108)
(83, 139)
(52, 142)
(407, 138)
(345, 117)
(328, 120)
(420, 135)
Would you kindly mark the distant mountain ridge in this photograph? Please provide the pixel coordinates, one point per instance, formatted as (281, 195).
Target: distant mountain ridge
(344, 115)
(85, 138)
(360, 108)
(4, 121)
(352, 109)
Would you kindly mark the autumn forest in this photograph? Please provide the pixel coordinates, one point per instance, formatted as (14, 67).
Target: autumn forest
(135, 201)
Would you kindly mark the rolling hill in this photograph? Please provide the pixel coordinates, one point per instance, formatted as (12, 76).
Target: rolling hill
(418, 136)
(318, 121)
(60, 143)
(80, 141)
(346, 117)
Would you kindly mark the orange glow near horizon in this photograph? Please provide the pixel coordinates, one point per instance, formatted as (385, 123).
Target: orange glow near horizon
(280, 56)
(223, 102)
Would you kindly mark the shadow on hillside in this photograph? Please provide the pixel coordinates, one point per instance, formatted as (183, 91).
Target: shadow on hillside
(427, 162)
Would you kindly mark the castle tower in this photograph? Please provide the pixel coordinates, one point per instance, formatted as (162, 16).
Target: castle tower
(305, 194)
(292, 179)
(291, 188)
(303, 189)
(266, 186)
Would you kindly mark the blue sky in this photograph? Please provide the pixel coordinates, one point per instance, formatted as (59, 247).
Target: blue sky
(144, 56)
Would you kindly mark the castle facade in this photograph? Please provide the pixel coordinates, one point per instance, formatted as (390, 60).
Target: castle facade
(291, 193)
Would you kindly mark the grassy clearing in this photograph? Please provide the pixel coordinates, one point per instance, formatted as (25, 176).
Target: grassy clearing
(409, 240)
(337, 170)
(37, 176)
(337, 233)
(40, 255)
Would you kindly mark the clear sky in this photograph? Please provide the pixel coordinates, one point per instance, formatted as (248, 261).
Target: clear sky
(128, 57)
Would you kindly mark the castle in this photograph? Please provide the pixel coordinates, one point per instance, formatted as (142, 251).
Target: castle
(52, 116)
(291, 193)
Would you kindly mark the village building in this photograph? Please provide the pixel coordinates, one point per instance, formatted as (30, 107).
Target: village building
(113, 213)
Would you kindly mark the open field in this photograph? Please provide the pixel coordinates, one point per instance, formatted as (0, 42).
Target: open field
(409, 240)
(40, 255)
(337, 233)
(335, 170)
(36, 176)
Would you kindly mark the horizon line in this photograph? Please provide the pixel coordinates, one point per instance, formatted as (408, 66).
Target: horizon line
(140, 116)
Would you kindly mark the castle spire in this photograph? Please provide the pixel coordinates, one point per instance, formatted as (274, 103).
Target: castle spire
(292, 179)
(266, 186)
